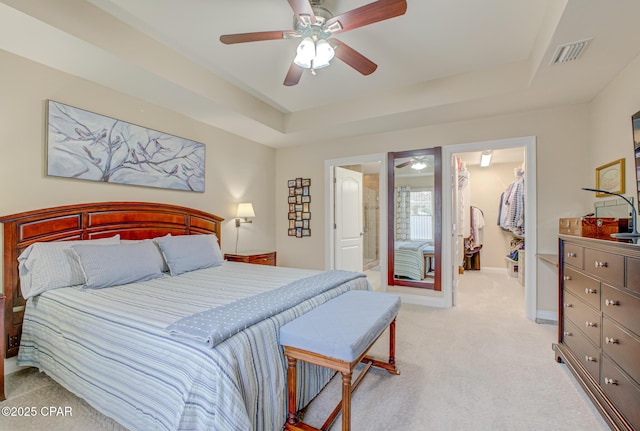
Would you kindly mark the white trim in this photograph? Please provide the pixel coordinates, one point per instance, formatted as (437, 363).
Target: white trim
(329, 176)
(544, 316)
(448, 275)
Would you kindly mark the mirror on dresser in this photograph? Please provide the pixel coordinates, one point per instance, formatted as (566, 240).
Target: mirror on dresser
(414, 229)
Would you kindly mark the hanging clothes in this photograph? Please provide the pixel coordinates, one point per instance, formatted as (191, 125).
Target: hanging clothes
(476, 224)
(511, 210)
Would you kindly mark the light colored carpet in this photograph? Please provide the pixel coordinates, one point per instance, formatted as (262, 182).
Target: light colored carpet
(481, 366)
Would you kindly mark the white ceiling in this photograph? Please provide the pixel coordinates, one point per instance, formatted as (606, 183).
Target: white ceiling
(444, 60)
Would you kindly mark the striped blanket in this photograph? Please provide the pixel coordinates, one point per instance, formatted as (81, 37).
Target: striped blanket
(111, 347)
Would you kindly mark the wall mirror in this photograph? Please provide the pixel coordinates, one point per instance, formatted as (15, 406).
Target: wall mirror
(415, 202)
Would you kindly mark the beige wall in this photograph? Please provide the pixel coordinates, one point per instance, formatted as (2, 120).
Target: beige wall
(610, 125)
(562, 163)
(236, 169)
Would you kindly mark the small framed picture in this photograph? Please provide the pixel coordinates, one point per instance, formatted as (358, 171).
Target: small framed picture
(291, 183)
(298, 182)
(306, 182)
(610, 177)
(292, 199)
(306, 232)
(306, 199)
(306, 216)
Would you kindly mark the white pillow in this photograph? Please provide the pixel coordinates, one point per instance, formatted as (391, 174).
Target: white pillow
(185, 253)
(51, 265)
(114, 265)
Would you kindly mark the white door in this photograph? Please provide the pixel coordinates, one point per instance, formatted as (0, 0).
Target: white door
(348, 220)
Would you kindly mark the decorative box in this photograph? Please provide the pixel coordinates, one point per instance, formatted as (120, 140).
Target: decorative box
(593, 227)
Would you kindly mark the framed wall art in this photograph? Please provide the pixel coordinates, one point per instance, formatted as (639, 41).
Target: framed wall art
(299, 201)
(89, 146)
(610, 177)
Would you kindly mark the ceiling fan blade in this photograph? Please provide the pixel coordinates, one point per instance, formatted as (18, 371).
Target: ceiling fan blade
(303, 9)
(368, 14)
(402, 165)
(293, 75)
(256, 36)
(353, 58)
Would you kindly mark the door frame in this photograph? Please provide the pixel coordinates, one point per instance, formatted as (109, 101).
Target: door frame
(449, 266)
(330, 245)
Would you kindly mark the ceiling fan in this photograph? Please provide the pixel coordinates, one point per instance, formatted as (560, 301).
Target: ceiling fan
(418, 163)
(316, 26)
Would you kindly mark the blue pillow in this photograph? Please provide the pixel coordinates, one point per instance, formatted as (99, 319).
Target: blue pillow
(184, 253)
(113, 265)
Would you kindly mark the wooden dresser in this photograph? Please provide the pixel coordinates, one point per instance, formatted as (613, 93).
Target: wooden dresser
(257, 257)
(599, 324)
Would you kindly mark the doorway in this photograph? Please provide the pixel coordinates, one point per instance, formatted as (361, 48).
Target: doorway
(453, 230)
(371, 215)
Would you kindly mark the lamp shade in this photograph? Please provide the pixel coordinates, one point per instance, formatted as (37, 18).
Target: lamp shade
(245, 210)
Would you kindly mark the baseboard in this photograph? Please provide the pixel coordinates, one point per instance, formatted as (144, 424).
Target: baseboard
(11, 365)
(545, 317)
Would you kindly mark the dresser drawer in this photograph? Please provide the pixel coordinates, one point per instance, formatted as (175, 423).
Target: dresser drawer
(583, 316)
(583, 286)
(622, 307)
(621, 390)
(621, 346)
(585, 351)
(608, 266)
(574, 255)
(633, 274)
(263, 259)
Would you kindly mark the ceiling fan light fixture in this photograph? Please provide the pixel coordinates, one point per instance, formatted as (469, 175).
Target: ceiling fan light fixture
(418, 165)
(306, 52)
(324, 54)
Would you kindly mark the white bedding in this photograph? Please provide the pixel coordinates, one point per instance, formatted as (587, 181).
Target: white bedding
(110, 346)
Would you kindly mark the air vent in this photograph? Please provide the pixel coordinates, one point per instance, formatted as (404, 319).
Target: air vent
(570, 51)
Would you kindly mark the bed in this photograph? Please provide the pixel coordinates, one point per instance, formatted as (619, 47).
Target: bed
(413, 259)
(130, 350)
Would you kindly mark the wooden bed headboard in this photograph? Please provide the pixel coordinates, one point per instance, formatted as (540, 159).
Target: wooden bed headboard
(132, 220)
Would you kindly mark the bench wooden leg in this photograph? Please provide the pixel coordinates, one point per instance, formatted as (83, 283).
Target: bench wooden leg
(390, 366)
(346, 401)
(292, 416)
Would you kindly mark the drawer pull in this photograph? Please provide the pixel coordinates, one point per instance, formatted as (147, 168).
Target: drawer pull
(601, 264)
(608, 381)
(567, 334)
(587, 290)
(567, 277)
(591, 324)
(610, 340)
(567, 305)
(611, 302)
(589, 358)
(570, 254)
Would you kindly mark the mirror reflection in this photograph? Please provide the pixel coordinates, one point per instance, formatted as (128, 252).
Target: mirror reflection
(414, 225)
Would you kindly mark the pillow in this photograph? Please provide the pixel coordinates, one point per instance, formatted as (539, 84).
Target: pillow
(113, 265)
(216, 248)
(51, 265)
(161, 262)
(185, 253)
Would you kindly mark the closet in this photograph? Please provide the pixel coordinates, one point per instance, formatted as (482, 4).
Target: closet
(489, 212)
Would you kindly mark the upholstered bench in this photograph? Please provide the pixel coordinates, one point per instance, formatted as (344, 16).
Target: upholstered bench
(337, 335)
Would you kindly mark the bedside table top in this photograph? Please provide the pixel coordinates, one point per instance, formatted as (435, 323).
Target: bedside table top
(250, 253)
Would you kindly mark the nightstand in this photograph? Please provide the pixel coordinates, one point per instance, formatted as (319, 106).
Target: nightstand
(257, 257)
